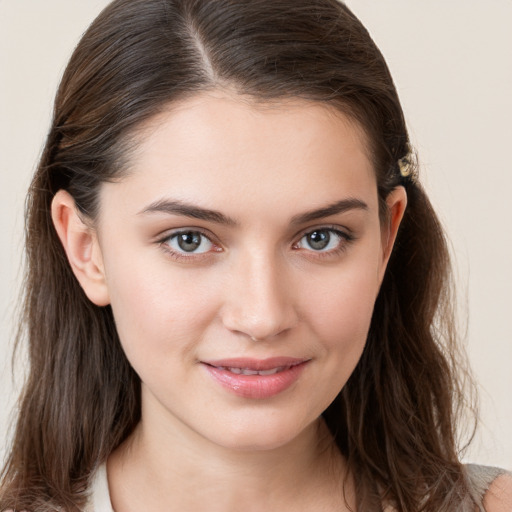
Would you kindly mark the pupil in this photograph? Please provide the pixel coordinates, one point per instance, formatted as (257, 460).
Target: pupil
(319, 239)
(189, 241)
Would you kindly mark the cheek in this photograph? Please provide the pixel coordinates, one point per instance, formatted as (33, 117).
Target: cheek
(340, 313)
(157, 309)
(343, 301)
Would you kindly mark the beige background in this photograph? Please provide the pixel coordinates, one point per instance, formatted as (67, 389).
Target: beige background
(452, 63)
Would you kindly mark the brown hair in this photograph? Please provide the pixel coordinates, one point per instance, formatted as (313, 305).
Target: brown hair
(394, 420)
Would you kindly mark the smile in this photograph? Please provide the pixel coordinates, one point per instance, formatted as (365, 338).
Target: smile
(257, 379)
(248, 371)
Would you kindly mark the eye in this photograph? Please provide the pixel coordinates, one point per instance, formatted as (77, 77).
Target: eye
(322, 240)
(191, 242)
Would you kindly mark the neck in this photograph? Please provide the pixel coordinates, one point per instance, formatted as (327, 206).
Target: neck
(159, 470)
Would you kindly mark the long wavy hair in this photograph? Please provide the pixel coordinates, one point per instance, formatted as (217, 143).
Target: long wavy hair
(395, 418)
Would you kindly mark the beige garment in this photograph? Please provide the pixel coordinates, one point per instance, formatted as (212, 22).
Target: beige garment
(480, 477)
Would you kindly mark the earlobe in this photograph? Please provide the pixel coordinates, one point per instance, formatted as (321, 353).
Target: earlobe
(81, 246)
(396, 203)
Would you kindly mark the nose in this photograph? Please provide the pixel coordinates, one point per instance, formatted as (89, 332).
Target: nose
(259, 301)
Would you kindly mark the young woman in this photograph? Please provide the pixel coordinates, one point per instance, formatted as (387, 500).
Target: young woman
(237, 291)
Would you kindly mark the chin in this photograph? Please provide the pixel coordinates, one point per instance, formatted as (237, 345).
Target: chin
(264, 435)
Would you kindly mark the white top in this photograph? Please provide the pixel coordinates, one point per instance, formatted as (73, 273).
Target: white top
(99, 500)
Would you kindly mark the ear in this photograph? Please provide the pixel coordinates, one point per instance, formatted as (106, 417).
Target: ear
(396, 203)
(82, 249)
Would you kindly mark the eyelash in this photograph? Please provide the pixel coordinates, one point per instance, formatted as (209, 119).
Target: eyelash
(184, 256)
(344, 240)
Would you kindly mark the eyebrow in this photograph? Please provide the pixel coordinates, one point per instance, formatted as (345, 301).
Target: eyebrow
(333, 209)
(188, 210)
(173, 207)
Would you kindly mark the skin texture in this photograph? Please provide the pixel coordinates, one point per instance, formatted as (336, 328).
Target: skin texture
(255, 288)
(499, 496)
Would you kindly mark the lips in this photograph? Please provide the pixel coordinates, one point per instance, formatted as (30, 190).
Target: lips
(247, 371)
(253, 378)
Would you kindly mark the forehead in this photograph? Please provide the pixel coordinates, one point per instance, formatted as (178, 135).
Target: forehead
(223, 148)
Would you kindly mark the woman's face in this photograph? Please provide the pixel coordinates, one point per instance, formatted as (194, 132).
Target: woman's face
(242, 255)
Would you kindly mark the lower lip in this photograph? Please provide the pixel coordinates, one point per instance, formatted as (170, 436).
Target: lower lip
(256, 386)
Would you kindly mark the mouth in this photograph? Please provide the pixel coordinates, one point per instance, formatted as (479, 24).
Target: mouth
(253, 378)
(256, 365)
(248, 371)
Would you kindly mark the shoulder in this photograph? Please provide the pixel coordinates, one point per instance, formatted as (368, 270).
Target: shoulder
(498, 497)
(491, 487)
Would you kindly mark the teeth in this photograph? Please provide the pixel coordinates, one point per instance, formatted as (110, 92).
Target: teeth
(247, 371)
(270, 372)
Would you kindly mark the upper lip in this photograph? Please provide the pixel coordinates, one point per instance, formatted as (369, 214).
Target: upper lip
(256, 364)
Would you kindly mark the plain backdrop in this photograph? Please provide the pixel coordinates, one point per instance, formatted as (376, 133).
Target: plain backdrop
(452, 63)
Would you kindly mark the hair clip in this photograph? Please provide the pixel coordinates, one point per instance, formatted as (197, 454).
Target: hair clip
(408, 167)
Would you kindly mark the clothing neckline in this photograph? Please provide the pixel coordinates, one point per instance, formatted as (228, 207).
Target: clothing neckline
(480, 477)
